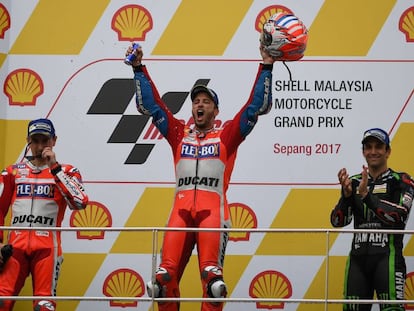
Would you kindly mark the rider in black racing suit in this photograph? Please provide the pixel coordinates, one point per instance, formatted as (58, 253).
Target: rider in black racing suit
(376, 260)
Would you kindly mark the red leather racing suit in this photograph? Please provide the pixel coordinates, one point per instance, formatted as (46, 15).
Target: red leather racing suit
(38, 197)
(203, 166)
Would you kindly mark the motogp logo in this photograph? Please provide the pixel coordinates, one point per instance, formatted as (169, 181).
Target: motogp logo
(132, 127)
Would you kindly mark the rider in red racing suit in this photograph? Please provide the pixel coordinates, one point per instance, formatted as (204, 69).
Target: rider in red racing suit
(37, 190)
(204, 159)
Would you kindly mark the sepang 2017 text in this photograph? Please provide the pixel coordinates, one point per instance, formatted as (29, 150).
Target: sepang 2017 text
(308, 150)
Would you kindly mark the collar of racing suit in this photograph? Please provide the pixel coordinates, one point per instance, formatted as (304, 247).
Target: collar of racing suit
(202, 134)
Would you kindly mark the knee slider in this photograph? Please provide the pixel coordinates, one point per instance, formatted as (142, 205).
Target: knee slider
(216, 288)
(158, 288)
(154, 289)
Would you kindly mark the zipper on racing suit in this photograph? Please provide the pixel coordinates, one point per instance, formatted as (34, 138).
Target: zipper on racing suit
(193, 208)
(36, 171)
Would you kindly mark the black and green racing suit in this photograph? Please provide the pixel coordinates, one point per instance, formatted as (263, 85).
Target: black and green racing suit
(376, 261)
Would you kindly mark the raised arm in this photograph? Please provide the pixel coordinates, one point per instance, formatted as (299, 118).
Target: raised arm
(149, 102)
(258, 103)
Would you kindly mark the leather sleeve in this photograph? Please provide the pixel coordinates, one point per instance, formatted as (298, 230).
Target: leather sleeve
(69, 182)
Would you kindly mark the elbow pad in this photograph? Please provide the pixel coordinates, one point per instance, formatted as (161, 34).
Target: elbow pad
(139, 102)
(340, 218)
(71, 188)
(267, 98)
(391, 213)
(341, 215)
(337, 218)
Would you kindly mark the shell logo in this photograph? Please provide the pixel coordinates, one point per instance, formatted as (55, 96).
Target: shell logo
(131, 23)
(242, 217)
(94, 215)
(409, 290)
(123, 283)
(23, 87)
(266, 13)
(270, 284)
(406, 24)
(4, 20)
